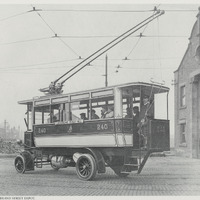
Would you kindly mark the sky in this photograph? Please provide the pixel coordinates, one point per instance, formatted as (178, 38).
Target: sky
(31, 56)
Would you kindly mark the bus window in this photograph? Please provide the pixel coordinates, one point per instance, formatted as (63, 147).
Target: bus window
(79, 110)
(49, 114)
(130, 99)
(102, 108)
(55, 113)
(127, 96)
(42, 115)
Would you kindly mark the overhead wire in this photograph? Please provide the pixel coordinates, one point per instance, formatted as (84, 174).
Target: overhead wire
(113, 36)
(81, 37)
(24, 41)
(35, 66)
(179, 10)
(38, 64)
(93, 10)
(12, 16)
(121, 11)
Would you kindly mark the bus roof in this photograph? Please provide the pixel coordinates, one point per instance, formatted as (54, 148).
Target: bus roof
(148, 87)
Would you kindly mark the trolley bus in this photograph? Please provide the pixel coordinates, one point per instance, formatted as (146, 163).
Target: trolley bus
(94, 129)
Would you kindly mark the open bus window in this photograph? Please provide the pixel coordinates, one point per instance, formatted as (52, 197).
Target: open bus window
(49, 114)
(42, 115)
(79, 110)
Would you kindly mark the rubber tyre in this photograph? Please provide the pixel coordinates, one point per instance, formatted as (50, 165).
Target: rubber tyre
(86, 167)
(20, 164)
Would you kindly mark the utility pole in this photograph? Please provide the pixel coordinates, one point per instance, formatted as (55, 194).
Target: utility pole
(5, 125)
(106, 71)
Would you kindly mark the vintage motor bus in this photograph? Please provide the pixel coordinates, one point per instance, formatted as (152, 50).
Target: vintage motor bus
(95, 129)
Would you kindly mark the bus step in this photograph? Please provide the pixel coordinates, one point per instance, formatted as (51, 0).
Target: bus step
(125, 172)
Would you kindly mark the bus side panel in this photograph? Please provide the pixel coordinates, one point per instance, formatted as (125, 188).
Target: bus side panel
(159, 135)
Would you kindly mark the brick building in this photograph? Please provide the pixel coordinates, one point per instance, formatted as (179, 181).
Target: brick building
(187, 98)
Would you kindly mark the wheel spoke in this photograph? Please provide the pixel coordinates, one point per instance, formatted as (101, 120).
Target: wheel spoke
(82, 170)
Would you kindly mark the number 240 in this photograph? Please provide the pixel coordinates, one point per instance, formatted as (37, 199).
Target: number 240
(102, 127)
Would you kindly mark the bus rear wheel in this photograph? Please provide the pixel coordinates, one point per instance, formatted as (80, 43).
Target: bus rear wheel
(86, 167)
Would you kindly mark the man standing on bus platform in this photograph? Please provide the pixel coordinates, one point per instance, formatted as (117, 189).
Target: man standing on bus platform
(147, 109)
(146, 113)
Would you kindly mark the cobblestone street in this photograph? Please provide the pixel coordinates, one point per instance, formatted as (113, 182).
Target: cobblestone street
(169, 175)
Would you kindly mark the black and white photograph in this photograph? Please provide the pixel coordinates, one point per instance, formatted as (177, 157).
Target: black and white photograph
(99, 99)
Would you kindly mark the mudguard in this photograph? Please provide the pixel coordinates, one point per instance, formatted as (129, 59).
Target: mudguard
(29, 160)
(99, 160)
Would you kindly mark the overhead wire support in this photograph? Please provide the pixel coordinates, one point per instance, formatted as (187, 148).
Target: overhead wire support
(53, 89)
(55, 34)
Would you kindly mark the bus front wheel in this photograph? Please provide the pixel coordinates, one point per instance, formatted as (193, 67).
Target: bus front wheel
(20, 164)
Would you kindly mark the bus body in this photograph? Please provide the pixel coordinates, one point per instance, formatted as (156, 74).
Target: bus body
(59, 135)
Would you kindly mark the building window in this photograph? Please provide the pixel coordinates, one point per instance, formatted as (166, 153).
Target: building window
(182, 96)
(182, 134)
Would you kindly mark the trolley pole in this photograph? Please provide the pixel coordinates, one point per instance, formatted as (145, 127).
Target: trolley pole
(106, 71)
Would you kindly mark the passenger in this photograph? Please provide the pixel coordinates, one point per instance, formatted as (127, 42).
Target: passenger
(83, 116)
(103, 111)
(55, 119)
(110, 112)
(136, 114)
(128, 111)
(94, 115)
